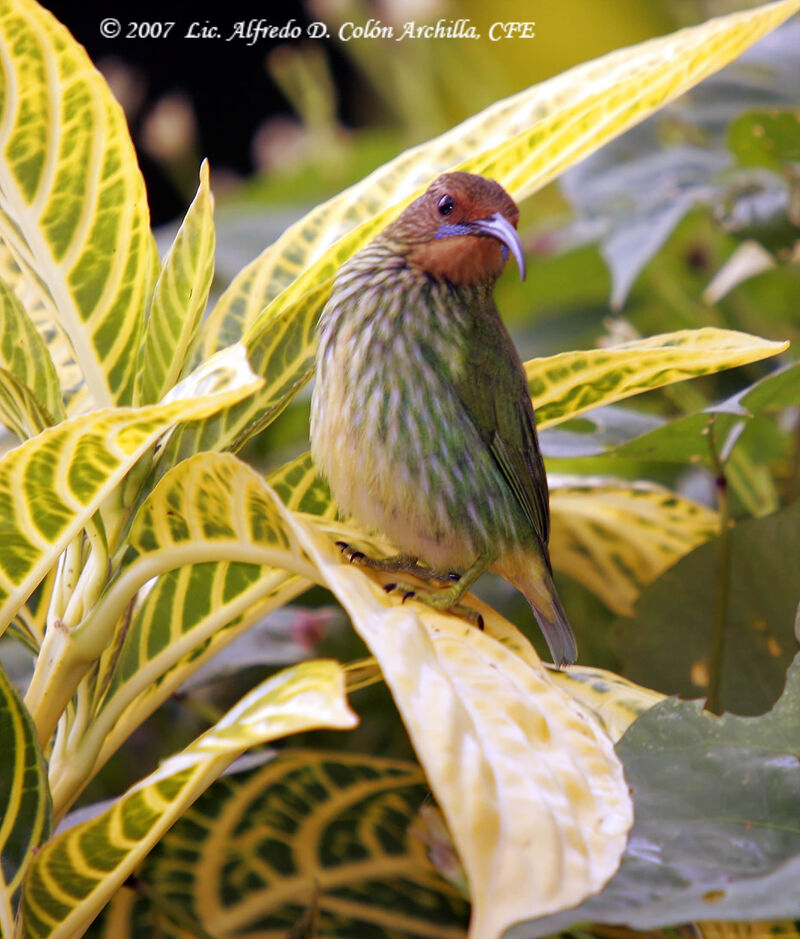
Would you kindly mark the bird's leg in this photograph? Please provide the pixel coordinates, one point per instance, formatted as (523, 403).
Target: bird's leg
(396, 564)
(448, 599)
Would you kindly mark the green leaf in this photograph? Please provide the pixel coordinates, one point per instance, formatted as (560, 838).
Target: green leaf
(523, 142)
(565, 385)
(685, 439)
(765, 138)
(179, 299)
(716, 836)
(667, 645)
(330, 828)
(24, 799)
(498, 772)
(25, 356)
(51, 485)
(73, 210)
(76, 873)
(616, 536)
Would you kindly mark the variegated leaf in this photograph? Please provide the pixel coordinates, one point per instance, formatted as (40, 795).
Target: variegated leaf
(179, 625)
(51, 486)
(25, 356)
(78, 871)
(567, 384)
(615, 536)
(492, 732)
(25, 816)
(612, 699)
(20, 410)
(179, 299)
(332, 832)
(216, 535)
(73, 207)
(39, 306)
(301, 489)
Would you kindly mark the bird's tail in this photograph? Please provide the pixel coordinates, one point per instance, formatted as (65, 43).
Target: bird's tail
(530, 574)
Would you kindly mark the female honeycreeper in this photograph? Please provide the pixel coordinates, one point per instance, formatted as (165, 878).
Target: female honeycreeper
(421, 418)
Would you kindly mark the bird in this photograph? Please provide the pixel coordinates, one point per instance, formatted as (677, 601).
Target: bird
(421, 419)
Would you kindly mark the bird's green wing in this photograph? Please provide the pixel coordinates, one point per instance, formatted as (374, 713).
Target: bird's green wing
(492, 387)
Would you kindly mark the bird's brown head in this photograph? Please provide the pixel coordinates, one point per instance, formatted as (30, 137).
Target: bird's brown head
(461, 230)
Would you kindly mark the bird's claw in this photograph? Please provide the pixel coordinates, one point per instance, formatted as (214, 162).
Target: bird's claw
(408, 592)
(352, 555)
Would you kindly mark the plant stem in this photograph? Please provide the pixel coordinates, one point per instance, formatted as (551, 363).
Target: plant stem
(723, 578)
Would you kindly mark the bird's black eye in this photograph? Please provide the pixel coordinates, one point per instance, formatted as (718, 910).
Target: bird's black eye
(446, 205)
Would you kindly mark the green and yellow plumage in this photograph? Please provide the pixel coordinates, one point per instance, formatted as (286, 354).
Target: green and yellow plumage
(421, 418)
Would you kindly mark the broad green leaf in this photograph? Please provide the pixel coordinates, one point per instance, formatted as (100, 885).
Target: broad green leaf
(616, 536)
(76, 873)
(25, 356)
(667, 644)
(332, 828)
(495, 753)
(51, 485)
(73, 209)
(612, 699)
(716, 836)
(179, 299)
(565, 385)
(523, 142)
(765, 138)
(685, 439)
(25, 816)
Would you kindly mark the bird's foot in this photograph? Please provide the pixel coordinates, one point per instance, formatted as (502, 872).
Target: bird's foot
(444, 601)
(397, 564)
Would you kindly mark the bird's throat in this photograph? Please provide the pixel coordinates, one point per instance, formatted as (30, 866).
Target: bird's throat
(463, 260)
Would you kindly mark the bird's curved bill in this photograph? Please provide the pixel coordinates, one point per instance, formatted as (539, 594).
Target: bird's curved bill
(498, 226)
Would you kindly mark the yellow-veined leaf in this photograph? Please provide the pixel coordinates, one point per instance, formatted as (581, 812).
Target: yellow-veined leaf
(51, 485)
(523, 142)
(25, 816)
(179, 299)
(25, 356)
(78, 871)
(73, 207)
(301, 489)
(217, 537)
(39, 306)
(521, 771)
(612, 699)
(615, 536)
(567, 384)
(332, 831)
(20, 410)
